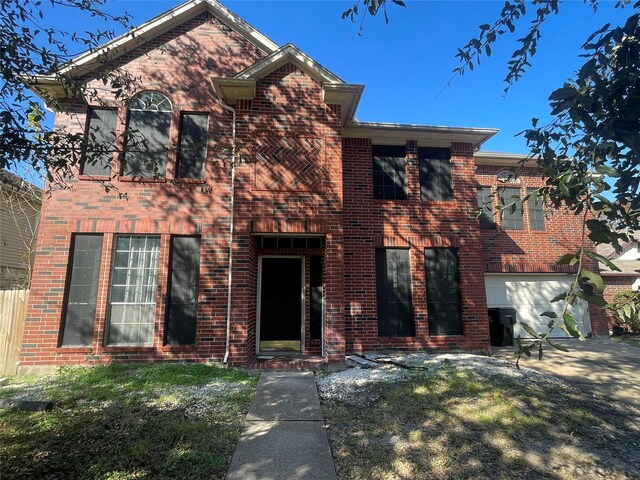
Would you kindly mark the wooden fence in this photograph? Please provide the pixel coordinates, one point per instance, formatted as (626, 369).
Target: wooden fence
(13, 311)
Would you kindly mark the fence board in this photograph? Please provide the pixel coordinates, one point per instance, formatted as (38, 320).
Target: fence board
(13, 311)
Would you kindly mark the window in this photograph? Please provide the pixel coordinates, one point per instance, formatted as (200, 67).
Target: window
(134, 282)
(182, 307)
(511, 220)
(485, 205)
(82, 293)
(435, 174)
(99, 139)
(193, 145)
(148, 135)
(443, 291)
(395, 310)
(389, 172)
(536, 211)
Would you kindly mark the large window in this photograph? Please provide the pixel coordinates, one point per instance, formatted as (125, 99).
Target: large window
(82, 293)
(99, 141)
(509, 200)
(536, 211)
(485, 205)
(182, 307)
(148, 135)
(435, 174)
(389, 172)
(395, 310)
(193, 145)
(133, 290)
(443, 291)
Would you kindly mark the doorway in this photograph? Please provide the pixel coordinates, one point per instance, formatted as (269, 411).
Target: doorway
(280, 304)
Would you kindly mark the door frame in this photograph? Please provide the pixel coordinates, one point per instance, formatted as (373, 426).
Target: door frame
(302, 298)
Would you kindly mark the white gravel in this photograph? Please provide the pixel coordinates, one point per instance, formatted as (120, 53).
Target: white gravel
(350, 385)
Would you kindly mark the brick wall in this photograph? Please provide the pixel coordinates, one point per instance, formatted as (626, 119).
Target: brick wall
(616, 284)
(412, 223)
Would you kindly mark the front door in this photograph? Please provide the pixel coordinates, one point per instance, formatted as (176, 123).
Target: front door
(281, 312)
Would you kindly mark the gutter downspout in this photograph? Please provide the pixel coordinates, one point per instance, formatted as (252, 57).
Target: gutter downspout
(231, 209)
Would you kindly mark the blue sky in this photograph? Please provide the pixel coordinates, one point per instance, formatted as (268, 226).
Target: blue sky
(405, 64)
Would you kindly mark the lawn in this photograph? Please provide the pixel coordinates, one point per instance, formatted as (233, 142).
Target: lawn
(447, 422)
(633, 340)
(126, 422)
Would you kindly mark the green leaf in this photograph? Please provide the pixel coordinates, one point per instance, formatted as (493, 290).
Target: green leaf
(571, 326)
(557, 346)
(563, 93)
(604, 260)
(549, 314)
(529, 330)
(587, 276)
(568, 259)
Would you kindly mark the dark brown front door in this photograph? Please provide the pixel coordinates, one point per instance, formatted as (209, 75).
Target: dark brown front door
(281, 304)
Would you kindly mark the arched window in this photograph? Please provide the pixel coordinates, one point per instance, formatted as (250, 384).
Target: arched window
(148, 135)
(507, 176)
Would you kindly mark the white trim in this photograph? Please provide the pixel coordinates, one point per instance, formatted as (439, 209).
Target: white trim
(160, 24)
(302, 298)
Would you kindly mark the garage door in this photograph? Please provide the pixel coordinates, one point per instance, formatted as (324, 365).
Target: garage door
(530, 295)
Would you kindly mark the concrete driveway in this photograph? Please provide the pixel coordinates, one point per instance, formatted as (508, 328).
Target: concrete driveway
(607, 368)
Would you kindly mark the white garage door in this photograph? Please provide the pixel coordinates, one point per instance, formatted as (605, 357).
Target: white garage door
(530, 295)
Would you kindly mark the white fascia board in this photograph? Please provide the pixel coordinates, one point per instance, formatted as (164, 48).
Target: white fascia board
(345, 94)
(424, 134)
(504, 159)
(289, 53)
(162, 23)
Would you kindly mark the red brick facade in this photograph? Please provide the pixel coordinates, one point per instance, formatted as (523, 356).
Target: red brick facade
(330, 196)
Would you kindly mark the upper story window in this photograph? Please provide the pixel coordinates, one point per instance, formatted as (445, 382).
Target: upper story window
(193, 145)
(435, 174)
(536, 210)
(148, 135)
(389, 172)
(511, 207)
(507, 176)
(99, 141)
(485, 205)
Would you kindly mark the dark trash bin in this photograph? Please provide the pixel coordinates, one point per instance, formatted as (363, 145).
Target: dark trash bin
(501, 322)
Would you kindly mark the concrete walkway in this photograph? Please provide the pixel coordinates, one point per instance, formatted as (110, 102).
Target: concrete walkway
(284, 435)
(609, 369)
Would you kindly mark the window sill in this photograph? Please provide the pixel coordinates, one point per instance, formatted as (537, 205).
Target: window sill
(391, 200)
(178, 348)
(128, 349)
(72, 349)
(142, 179)
(189, 181)
(95, 178)
(439, 202)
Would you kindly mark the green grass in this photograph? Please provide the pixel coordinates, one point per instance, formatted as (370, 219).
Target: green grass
(126, 422)
(456, 424)
(633, 340)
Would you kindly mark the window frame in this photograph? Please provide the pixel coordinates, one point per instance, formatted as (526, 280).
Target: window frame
(109, 166)
(428, 157)
(504, 198)
(170, 285)
(400, 192)
(179, 159)
(431, 304)
(409, 329)
(533, 207)
(112, 285)
(128, 136)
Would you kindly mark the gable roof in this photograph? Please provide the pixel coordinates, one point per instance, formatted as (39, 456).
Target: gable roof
(50, 86)
(289, 53)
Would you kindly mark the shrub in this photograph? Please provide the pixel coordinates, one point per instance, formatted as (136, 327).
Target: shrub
(626, 310)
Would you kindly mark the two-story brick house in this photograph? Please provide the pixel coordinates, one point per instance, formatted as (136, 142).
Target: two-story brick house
(344, 236)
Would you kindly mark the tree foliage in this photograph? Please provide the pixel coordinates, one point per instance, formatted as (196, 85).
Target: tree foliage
(626, 310)
(589, 152)
(31, 47)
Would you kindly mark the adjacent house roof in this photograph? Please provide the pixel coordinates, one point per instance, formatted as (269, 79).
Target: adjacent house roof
(628, 261)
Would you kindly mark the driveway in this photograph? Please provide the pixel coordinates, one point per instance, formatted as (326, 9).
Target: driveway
(607, 368)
